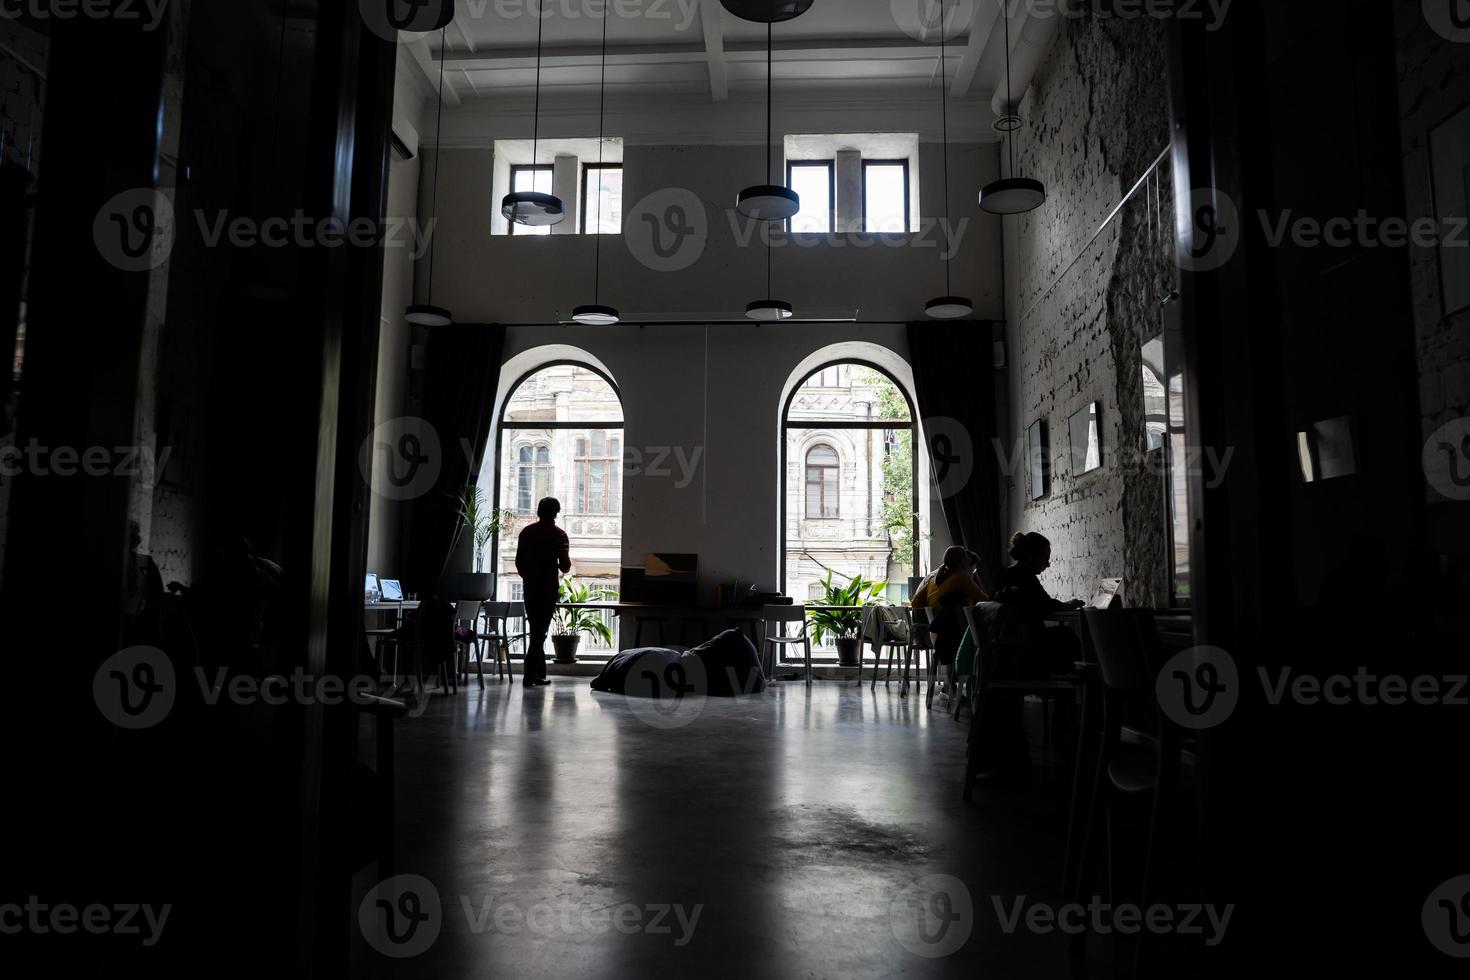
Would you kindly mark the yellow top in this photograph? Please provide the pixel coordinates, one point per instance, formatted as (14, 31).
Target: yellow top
(957, 589)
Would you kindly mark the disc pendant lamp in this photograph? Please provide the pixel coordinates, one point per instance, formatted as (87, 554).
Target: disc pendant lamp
(532, 207)
(767, 11)
(948, 306)
(768, 310)
(768, 201)
(1011, 195)
(427, 314)
(594, 313)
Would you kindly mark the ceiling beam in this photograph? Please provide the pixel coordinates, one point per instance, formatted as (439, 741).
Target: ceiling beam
(424, 58)
(582, 56)
(982, 28)
(714, 49)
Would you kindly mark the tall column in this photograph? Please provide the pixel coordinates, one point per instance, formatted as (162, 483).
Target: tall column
(849, 181)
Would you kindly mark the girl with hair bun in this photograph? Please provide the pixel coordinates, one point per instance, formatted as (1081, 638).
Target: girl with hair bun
(1021, 591)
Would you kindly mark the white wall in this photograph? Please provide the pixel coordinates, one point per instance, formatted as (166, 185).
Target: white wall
(728, 512)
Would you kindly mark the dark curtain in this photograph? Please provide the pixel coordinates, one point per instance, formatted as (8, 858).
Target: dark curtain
(954, 378)
(462, 373)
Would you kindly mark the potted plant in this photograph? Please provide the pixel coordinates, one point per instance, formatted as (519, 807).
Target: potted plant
(569, 624)
(482, 523)
(844, 625)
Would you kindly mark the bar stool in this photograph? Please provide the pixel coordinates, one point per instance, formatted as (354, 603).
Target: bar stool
(658, 621)
(778, 617)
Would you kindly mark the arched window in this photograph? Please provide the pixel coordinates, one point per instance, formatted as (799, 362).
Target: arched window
(850, 480)
(561, 435)
(823, 490)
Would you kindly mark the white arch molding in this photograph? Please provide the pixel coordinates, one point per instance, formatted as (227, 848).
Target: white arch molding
(898, 368)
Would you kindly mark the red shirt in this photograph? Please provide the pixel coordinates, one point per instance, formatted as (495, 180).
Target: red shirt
(543, 554)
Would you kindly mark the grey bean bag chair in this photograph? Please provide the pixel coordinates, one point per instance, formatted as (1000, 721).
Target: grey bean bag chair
(724, 667)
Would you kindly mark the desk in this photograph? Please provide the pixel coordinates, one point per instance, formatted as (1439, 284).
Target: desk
(748, 617)
(384, 634)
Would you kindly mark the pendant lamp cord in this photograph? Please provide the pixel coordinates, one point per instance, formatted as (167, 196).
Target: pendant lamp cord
(944, 122)
(601, 136)
(769, 103)
(536, 112)
(1010, 106)
(438, 152)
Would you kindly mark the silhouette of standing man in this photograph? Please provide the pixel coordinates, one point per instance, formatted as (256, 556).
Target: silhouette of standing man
(543, 556)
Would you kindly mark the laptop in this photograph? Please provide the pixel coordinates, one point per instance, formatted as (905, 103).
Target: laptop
(370, 590)
(392, 590)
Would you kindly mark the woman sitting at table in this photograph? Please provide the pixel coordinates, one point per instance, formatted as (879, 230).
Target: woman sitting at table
(948, 591)
(1028, 603)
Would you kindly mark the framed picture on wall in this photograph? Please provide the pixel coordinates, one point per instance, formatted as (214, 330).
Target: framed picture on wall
(1037, 452)
(1449, 161)
(1086, 431)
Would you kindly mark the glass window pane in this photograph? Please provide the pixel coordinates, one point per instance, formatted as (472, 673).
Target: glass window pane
(583, 396)
(602, 201)
(884, 193)
(528, 179)
(599, 444)
(813, 181)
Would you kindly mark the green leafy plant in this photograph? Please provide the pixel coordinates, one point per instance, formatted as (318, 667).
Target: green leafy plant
(843, 623)
(481, 520)
(575, 622)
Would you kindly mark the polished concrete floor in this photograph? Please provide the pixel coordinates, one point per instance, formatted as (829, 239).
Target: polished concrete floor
(800, 833)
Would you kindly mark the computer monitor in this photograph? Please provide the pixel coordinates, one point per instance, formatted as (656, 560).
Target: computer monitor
(392, 590)
(670, 577)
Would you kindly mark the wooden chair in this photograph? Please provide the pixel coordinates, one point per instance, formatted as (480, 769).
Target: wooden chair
(778, 617)
(1000, 651)
(1129, 656)
(920, 649)
(466, 624)
(890, 637)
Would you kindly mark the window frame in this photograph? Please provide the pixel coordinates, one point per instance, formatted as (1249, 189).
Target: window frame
(831, 165)
(787, 424)
(836, 468)
(907, 194)
(518, 168)
(535, 466)
(587, 168)
(582, 464)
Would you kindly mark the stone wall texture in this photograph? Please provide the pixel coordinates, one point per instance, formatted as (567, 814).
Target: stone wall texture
(1097, 120)
(1434, 84)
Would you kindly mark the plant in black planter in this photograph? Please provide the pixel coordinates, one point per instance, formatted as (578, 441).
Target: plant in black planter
(569, 624)
(482, 522)
(844, 625)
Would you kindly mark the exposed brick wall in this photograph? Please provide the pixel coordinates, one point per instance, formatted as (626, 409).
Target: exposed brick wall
(1097, 118)
(1432, 87)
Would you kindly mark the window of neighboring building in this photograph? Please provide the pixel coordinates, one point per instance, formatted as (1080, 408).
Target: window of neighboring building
(813, 180)
(823, 480)
(602, 199)
(533, 477)
(531, 178)
(886, 196)
(599, 461)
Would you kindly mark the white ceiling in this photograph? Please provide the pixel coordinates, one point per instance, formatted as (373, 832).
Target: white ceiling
(659, 49)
